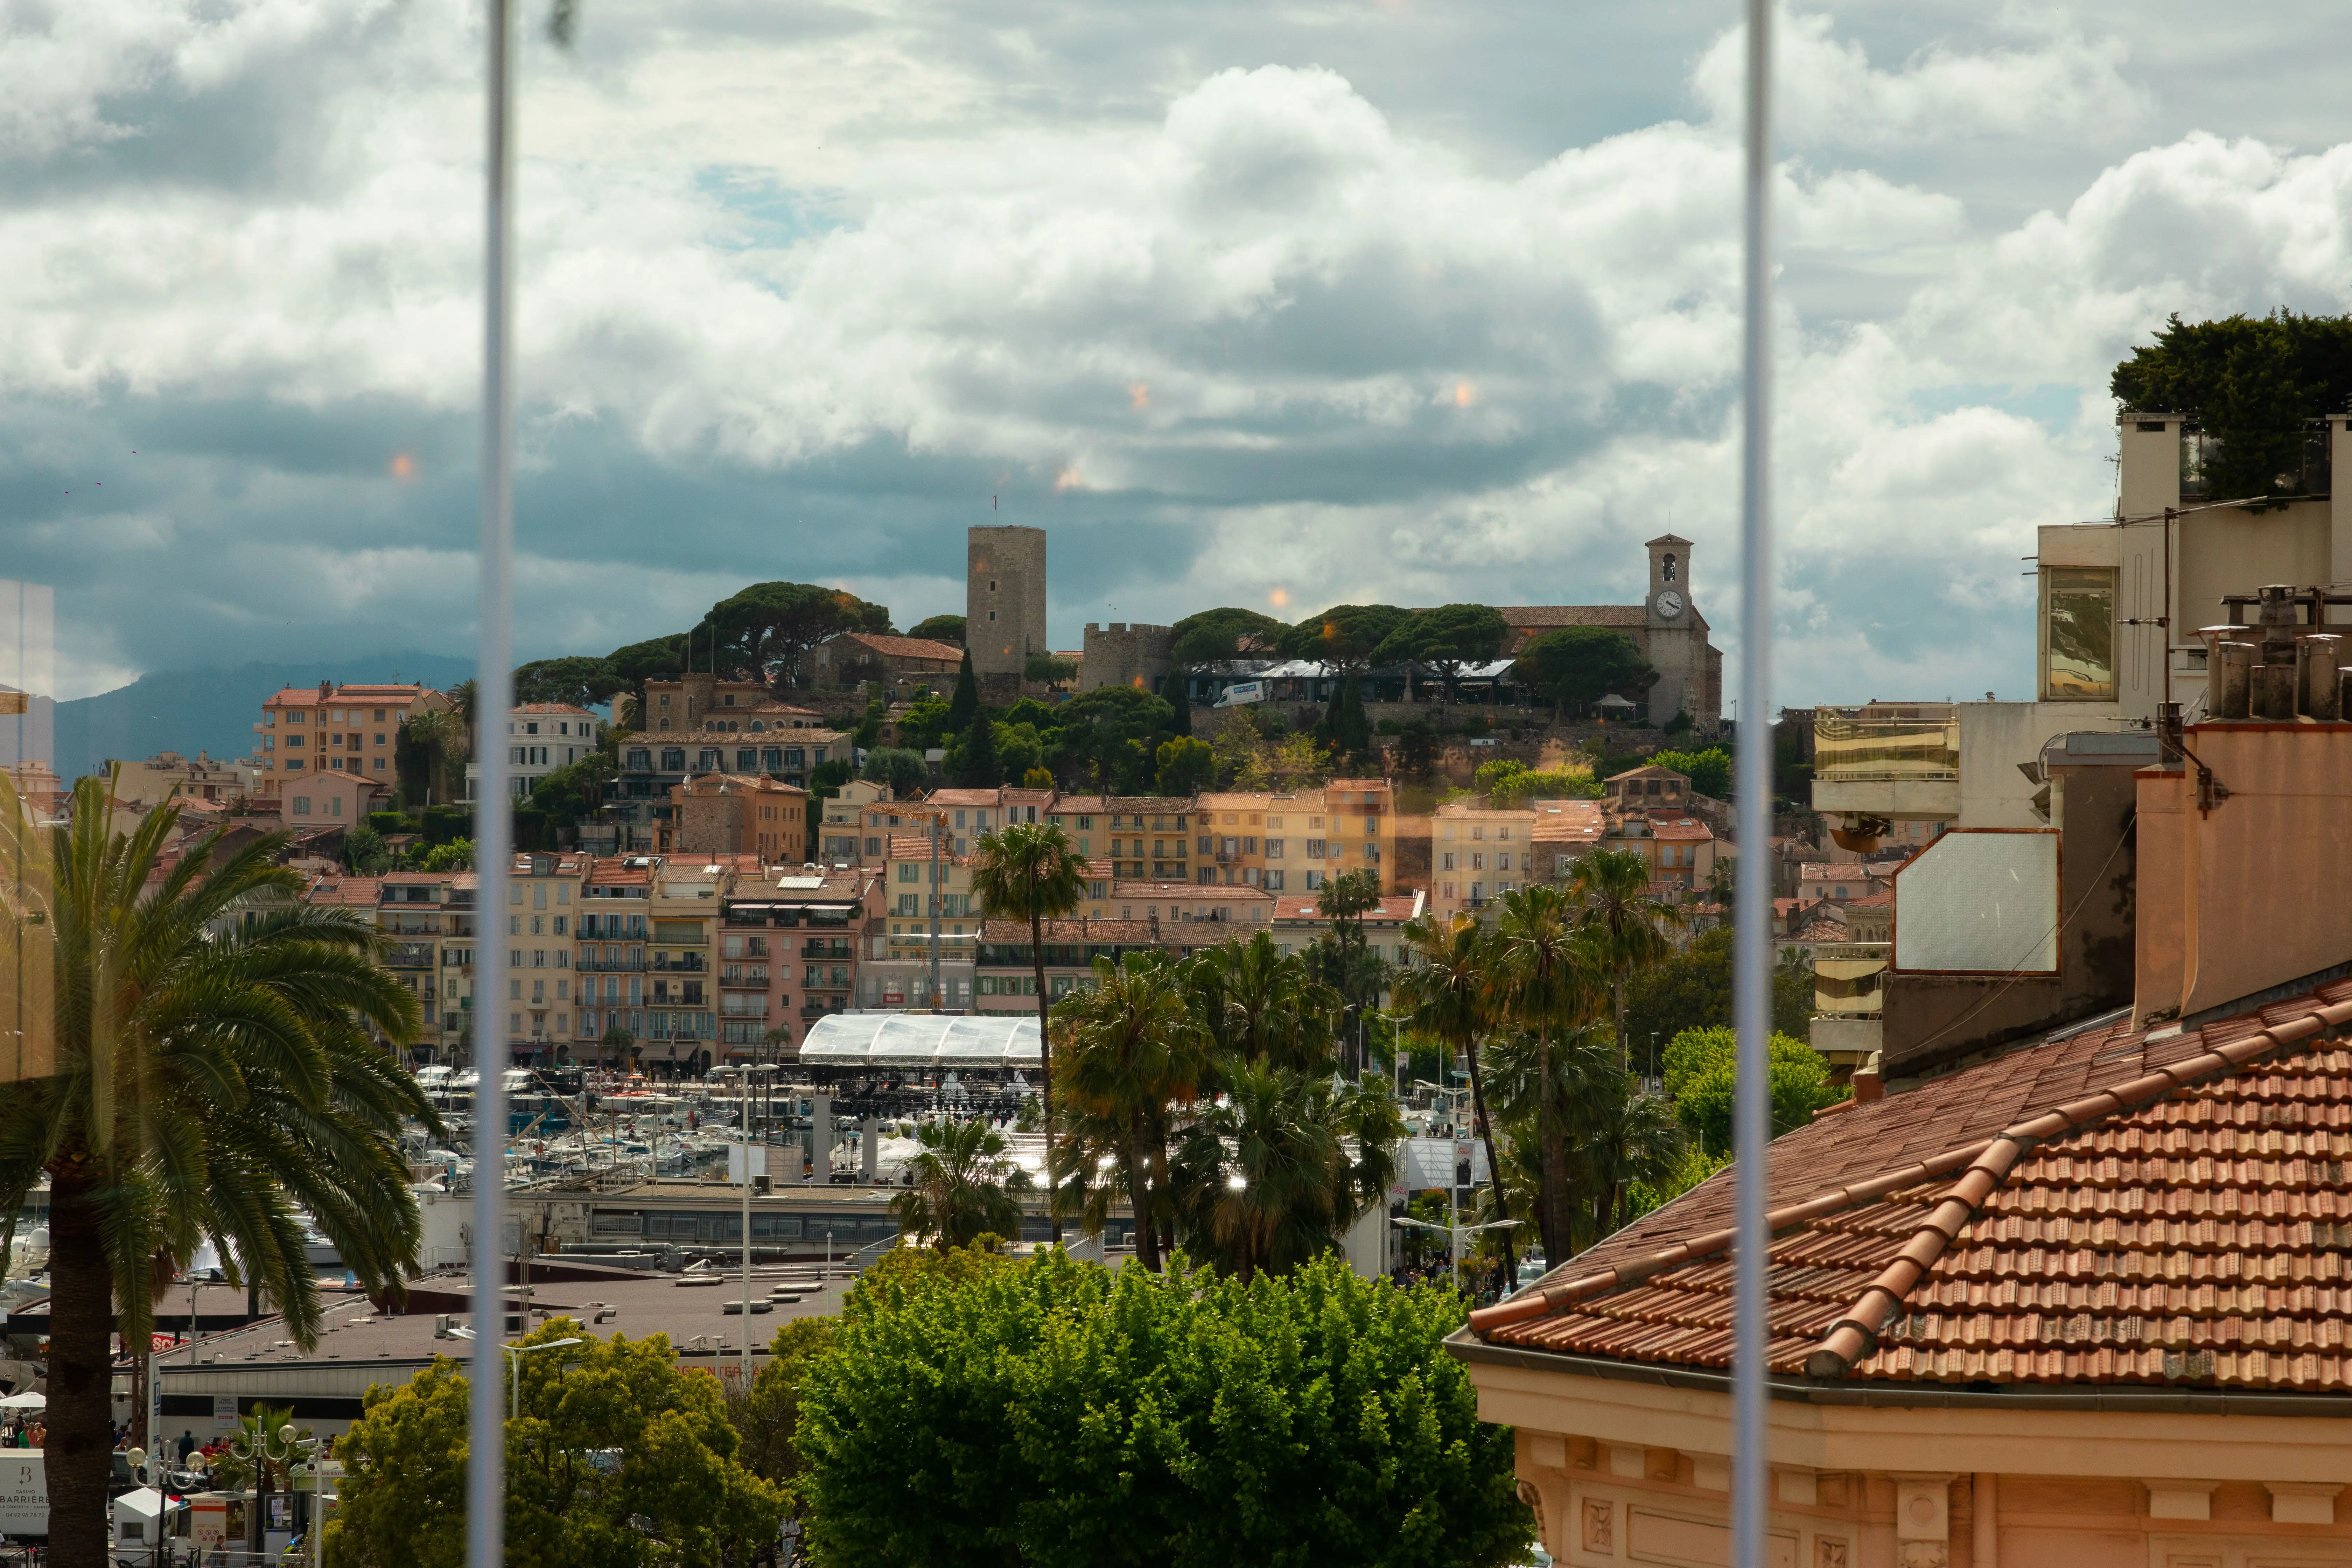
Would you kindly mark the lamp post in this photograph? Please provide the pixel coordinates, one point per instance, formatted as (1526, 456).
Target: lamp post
(261, 1453)
(514, 1369)
(1455, 1231)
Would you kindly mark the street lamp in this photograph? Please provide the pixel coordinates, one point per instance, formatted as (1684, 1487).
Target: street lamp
(261, 1453)
(1454, 1232)
(514, 1370)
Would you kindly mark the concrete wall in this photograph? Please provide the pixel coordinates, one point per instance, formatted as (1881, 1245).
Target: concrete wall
(1004, 598)
(1121, 654)
(2250, 895)
(1934, 1020)
(1995, 737)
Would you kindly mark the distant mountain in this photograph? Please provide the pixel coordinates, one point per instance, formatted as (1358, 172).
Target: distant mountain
(214, 711)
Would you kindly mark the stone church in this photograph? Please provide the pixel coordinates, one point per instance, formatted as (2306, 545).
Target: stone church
(1666, 625)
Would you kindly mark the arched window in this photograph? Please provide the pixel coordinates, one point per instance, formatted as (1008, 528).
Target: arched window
(757, 728)
(1666, 568)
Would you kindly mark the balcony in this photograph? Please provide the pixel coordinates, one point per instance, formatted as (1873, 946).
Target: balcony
(409, 954)
(632, 963)
(837, 948)
(1900, 763)
(687, 963)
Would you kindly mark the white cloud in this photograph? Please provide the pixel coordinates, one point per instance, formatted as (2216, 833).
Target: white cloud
(1300, 342)
(1829, 95)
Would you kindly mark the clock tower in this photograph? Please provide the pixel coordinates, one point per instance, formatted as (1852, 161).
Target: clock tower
(1669, 597)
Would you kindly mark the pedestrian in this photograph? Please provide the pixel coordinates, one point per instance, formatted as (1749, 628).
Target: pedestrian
(187, 1445)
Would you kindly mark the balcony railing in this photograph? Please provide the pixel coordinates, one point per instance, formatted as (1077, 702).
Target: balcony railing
(410, 954)
(687, 963)
(835, 949)
(631, 963)
(1853, 746)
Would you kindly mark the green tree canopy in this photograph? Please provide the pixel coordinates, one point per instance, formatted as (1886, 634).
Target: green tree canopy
(1692, 990)
(1212, 636)
(656, 658)
(1709, 771)
(939, 628)
(1180, 705)
(679, 1494)
(957, 1190)
(1702, 1076)
(1060, 1416)
(898, 767)
(1187, 766)
(1446, 638)
(1345, 636)
(1108, 735)
(571, 794)
(975, 765)
(1019, 748)
(1575, 666)
(767, 627)
(1049, 670)
(927, 723)
(2252, 383)
(580, 680)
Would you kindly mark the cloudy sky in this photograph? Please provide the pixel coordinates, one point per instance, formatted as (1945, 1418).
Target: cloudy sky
(1279, 303)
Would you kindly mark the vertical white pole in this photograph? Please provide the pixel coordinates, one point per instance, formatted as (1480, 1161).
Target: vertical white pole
(747, 1233)
(1752, 1000)
(486, 1479)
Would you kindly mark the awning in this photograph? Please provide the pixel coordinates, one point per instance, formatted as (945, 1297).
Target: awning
(921, 1040)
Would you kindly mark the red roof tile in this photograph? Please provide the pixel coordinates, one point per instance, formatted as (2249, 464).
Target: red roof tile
(2102, 1208)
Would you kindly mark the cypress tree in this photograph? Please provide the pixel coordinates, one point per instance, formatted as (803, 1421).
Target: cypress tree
(1172, 691)
(965, 704)
(976, 763)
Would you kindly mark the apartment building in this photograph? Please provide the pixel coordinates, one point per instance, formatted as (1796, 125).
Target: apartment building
(858, 822)
(1843, 883)
(681, 1010)
(168, 776)
(653, 764)
(737, 813)
(330, 799)
(307, 731)
(788, 952)
(1480, 853)
(1300, 923)
(1140, 836)
(545, 898)
(427, 919)
(540, 738)
(1006, 970)
(1294, 843)
(1565, 832)
(704, 701)
(1235, 907)
(614, 926)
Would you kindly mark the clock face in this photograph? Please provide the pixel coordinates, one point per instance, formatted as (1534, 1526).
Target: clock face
(1670, 604)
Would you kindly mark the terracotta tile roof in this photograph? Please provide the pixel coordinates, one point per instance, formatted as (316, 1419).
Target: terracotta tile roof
(565, 709)
(1567, 821)
(1394, 909)
(906, 647)
(2102, 1208)
(1685, 832)
(1518, 616)
(1192, 892)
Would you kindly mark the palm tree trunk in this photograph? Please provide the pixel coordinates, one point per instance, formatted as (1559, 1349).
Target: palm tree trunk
(81, 1373)
(1617, 1000)
(1044, 1061)
(1556, 1221)
(1494, 1162)
(1139, 1197)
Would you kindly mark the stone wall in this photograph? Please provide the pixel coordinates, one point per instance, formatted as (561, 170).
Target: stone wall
(1124, 654)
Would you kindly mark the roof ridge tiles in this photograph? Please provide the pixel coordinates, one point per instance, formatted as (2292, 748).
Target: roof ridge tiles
(1857, 1333)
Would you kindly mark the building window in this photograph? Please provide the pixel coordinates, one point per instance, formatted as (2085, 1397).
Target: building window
(2078, 624)
(302, 805)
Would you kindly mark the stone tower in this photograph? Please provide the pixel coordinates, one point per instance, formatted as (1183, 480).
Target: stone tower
(1004, 599)
(1676, 633)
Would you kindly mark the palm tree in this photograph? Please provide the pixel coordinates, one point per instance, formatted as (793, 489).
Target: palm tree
(1028, 871)
(1279, 1166)
(433, 735)
(1132, 1049)
(959, 1192)
(1548, 976)
(1614, 1133)
(1613, 887)
(1445, 989)
(1261, 1004)
(216, 1078)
